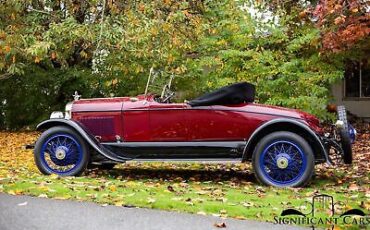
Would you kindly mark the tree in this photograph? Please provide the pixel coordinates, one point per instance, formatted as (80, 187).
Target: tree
(344, 24)
(279, 54)
(100, 48)
(49, 49)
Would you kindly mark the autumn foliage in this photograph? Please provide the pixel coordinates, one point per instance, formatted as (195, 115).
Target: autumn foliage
(343, 23)
(50, 49)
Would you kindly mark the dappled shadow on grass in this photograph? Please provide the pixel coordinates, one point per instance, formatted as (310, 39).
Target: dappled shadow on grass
(174, 172)
(321, 180)
(325, 176)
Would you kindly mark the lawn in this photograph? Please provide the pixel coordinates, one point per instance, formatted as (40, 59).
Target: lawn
(226, 190)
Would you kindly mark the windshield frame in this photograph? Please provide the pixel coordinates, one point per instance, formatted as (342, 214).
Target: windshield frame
(151, 79)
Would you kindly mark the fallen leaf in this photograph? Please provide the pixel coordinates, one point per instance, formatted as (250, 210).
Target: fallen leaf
(220, 225)
(170, 188)
(353, 187)
(54, 176)
(184, 185)
(113, 188)
(367, 195)
(248, 204)
(119, 203)
(223, 211)
(23, 204)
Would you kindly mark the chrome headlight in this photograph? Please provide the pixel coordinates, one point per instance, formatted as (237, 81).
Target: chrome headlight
(339, 124)
(56, 115)
(68, 110)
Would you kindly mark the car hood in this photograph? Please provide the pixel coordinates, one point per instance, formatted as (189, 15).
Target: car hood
(275, 111)
(106, 104)
(99, 104)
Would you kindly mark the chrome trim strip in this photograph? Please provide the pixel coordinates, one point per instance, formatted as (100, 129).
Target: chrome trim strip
(160, 109)
(210, 144)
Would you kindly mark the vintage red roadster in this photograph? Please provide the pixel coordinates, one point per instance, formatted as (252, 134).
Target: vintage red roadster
(283, 144)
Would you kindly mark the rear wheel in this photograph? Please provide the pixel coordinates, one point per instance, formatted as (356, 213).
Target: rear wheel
(283, 159)
(62, 151)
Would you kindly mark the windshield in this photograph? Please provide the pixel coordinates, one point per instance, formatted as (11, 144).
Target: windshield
(158, 81)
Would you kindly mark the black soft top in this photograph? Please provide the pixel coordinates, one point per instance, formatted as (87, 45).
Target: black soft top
(232, 94)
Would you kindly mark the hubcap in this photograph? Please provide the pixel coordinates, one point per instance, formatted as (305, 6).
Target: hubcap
(282, 163)
(60, 153)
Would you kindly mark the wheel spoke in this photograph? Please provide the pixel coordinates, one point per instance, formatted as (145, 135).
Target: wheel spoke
(290, 149)
(282, 150)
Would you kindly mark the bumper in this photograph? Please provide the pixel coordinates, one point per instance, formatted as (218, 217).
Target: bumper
(340, 140)
(352, 133)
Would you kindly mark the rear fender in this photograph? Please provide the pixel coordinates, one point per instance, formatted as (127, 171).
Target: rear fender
(90, 140)
(286, 124)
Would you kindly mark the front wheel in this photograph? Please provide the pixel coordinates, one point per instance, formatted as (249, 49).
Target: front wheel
(283, 159)
(62, 151)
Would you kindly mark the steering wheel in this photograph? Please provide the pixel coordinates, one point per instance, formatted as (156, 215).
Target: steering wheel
(167, 94)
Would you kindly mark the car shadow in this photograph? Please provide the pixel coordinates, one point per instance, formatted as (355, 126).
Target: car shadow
(178, 174)
(206, 172)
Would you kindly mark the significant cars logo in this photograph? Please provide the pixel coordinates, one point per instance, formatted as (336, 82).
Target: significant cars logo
(322, 213)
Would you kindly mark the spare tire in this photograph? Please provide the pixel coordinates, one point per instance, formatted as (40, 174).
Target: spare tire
(344, 134)
(346, 146)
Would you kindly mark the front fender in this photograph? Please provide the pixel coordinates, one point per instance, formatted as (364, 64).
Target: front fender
(285, 124)
(84, 134)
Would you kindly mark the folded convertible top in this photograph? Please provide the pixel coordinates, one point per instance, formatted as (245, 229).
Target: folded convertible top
(228, 95)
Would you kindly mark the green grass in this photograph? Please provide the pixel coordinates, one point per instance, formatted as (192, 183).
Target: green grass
(226, 191)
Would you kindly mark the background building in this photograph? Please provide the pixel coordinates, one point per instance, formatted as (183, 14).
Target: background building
(354, 90)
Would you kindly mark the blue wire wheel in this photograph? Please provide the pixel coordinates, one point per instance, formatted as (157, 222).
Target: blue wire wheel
(61, 154)
(283, 163)
(283, 159)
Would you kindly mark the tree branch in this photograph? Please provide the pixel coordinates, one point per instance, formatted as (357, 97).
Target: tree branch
(5, 76)
(39, 11)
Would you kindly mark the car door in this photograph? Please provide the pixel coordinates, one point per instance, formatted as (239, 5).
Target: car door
(135, 116)
(167, 122)
(216, 123)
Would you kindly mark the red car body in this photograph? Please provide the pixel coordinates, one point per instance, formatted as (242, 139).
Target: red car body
(146, 120)
(283, 144)
(127, 128)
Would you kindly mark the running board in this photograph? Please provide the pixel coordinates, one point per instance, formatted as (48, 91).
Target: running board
(239, 160)
(178, 151)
